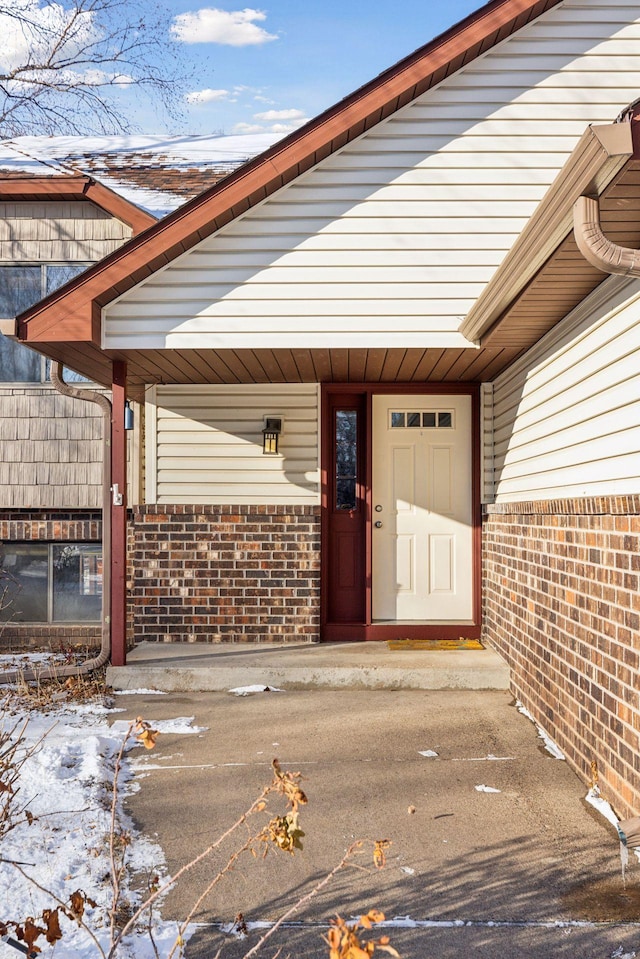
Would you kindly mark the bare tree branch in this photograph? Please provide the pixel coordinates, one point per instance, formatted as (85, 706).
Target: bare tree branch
(65, 64)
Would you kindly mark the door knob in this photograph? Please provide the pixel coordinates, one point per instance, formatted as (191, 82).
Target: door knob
(378, 524)
(378, 508)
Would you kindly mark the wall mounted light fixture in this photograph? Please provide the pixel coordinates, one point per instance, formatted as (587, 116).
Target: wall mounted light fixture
(128, 416)
(271, 434)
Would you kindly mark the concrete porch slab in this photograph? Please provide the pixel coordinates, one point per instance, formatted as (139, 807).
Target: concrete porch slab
(202, 667)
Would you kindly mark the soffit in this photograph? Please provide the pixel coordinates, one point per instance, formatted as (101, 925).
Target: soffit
(285, 366)
(566, 278)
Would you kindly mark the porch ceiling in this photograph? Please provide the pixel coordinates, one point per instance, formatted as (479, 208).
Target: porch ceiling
(286, 366)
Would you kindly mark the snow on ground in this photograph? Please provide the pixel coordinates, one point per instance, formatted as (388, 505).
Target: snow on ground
(66, 785)
(549, 744)
(11, 661)
(249, 690)
(138, 692)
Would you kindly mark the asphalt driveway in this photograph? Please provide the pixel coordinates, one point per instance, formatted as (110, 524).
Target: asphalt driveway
(520, 867)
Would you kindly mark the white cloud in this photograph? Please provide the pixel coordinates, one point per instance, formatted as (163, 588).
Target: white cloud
(207, 96)
(31, 33)
(249, 128)
(280, 115)
(286, 127)
(99, 78)
(235, 28)
(269, 127)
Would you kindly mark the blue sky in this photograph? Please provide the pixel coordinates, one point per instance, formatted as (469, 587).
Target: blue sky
(269, 68)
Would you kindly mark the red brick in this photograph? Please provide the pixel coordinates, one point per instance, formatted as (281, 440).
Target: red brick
(574, 656)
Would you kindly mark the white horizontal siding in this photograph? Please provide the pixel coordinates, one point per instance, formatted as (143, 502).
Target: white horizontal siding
(410, 220)
(205, 445)
(567, 415)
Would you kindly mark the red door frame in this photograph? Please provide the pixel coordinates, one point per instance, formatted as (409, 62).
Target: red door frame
(367, 630)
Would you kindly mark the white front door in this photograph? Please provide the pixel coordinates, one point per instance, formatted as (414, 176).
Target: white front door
(422, 509)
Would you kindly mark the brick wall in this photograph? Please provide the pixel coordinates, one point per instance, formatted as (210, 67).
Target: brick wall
(49, 526)
(561, 604)
(226, 573)
(53, 525)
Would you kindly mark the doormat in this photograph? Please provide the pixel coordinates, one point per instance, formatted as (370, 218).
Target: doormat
(435, 644)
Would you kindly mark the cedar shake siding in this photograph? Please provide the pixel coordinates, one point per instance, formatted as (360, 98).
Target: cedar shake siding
(57, 231)
(51, 450)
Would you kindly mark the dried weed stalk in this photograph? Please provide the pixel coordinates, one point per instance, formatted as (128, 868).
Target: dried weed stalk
(282, 832)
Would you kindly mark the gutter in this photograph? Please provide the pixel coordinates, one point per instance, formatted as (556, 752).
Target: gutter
(96, 662)
(599, 155)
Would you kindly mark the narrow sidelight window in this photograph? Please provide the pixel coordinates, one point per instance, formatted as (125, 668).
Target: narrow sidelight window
(346, 432)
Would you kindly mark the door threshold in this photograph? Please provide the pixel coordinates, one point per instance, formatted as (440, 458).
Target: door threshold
(423, 622)
(359, 632)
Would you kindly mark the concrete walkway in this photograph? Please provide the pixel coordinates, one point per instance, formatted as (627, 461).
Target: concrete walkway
(493, 852)
(202, 667)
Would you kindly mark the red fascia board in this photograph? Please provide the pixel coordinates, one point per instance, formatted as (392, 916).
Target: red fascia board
(139, 220)
(43, 188)
(266, 173)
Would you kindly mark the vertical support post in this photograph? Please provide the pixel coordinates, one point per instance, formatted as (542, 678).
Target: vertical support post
(118, 516)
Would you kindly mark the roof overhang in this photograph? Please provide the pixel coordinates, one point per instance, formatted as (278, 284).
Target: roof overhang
(599, 156)
(76, 187)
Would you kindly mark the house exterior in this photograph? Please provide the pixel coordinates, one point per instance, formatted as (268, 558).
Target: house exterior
(65, 203)
(387, 393)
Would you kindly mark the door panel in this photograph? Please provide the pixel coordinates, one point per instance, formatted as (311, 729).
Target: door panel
(422, 549)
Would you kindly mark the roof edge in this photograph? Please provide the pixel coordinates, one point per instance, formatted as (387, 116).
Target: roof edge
(262, 176)
(76, 186)
(597, 157)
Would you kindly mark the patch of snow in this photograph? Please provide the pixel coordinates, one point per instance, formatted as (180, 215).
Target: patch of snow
(138, 692)
(181, 726)
(429, 753)
(486, 789)
(66, 785)
(482, 759)
(549, 744)
(249, 690)
(199, 150)
(235, 929)
(594, 799)
(407, 922)
(32, 660)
